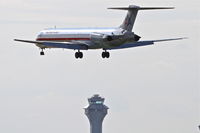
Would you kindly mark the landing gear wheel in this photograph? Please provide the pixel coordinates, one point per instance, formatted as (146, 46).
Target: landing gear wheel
(78, 55)
(41, 53)
(105, 55)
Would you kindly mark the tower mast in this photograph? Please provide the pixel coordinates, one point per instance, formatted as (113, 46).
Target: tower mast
(96, 111)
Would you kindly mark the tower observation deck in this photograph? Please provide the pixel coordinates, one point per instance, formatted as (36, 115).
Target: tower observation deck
(96, 111)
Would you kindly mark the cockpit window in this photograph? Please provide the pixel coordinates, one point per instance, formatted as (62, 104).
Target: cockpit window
(40, 34)
(98, 102)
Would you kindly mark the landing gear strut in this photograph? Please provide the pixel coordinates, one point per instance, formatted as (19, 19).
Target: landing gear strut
(42, 52)
(78, 55)
(105, 54)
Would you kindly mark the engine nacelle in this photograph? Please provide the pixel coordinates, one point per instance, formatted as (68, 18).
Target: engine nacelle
(96, 37)
(100, 37)
(108, 38)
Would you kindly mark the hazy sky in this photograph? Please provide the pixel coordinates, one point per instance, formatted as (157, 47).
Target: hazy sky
(152, 89)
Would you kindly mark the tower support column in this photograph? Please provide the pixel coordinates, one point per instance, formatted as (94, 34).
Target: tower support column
(96, 112)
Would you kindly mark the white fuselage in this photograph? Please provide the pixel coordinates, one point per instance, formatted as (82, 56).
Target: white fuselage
(66, 35)
(84, 35)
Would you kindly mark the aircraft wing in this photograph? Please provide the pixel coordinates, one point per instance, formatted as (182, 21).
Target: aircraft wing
(67, 45)
(143, 43)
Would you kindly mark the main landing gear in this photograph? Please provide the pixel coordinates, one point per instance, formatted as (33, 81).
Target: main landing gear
(105, 54)
(78, 55)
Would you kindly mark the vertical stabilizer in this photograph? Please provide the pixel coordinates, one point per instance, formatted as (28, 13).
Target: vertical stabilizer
(129, 21)
(130, 17)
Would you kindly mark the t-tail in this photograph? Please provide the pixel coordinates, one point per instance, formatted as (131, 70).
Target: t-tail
(129, 21)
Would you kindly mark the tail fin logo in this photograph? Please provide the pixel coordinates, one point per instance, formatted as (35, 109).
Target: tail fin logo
(127, 20)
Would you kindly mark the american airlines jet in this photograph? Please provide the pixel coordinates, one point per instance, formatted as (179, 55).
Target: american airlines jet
(96, 38)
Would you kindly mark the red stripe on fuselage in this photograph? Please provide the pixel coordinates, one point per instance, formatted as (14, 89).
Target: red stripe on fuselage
(61, 39)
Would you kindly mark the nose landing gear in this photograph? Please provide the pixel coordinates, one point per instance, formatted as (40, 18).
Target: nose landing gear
(42, 52)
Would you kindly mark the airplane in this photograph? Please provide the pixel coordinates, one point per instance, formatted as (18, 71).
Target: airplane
(96, 38)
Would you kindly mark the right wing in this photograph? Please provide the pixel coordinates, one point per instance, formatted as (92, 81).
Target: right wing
(143, 43)
(66, 45)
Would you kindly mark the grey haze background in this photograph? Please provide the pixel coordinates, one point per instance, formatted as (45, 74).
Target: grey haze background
(149, 89)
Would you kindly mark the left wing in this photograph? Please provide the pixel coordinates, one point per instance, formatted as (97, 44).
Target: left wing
(68, 45)
(142, 43)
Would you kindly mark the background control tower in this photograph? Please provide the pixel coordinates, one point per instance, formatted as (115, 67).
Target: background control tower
(96, 111)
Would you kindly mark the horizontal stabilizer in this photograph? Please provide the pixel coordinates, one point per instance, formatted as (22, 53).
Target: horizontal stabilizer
(133, 7)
